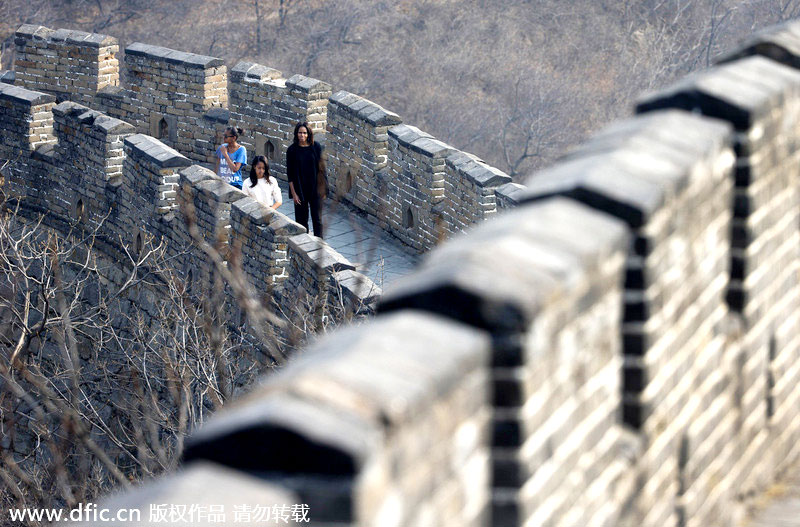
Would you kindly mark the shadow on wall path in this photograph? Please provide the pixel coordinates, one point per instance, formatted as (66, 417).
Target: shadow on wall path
(375, 253)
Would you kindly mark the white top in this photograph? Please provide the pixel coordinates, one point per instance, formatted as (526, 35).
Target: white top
(266, 194)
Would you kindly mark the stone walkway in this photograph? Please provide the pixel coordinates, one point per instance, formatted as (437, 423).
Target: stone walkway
(782, 508)
(375, 253)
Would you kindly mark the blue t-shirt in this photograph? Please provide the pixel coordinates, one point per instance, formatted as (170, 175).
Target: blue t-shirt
(234, 178)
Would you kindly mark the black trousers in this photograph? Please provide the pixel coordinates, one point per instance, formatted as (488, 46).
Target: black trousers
(301, 215)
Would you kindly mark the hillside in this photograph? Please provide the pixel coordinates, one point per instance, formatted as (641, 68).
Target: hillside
(514, 81)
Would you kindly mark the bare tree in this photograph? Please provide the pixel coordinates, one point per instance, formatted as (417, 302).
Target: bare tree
(100, 383)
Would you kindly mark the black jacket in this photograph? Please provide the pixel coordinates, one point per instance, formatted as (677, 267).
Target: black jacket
(299, 174)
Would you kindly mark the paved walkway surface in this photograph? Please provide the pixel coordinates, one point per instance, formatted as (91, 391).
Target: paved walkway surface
(782, 510)
(378, 255)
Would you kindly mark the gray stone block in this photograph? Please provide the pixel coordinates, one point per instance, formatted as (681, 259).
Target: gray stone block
(406, 134)
(283, 433)
(189, 60)
(45, 152)
(293, 424)
(220, 115)
(111, 125)
(140, 49)
(477, 171)
(306, 242)
(8, 77)
(156, 152)
(780, 43)
(249, 208)
(97, 40)
(253, 71)
(33, 31)
(343, 98)
(357, 287)
(307, 84)
(284, 226)
(735, 91)
(510, 193)
(602, 183)
(113, 92)
(328, 259)
(195, 174)
(20, 95)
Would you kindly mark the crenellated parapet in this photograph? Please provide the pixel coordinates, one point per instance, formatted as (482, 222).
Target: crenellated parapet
(385, 417)
(622, 347)
(327, 279)
(545, 282)
(471, 188)
(186, 100)
(760, 98)
(74, 65)
(82, 171)
(636, 314)
(412, 185)
(27, 122)
(679, 213)
(268, 106)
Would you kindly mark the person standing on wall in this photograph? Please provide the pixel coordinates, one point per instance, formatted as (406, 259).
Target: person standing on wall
(231, 156)
(305, 170)
(261, 186)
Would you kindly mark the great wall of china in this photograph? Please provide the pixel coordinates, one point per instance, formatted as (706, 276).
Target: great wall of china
(621, 347)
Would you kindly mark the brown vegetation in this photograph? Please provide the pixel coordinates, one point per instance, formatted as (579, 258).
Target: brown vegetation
(106, 366)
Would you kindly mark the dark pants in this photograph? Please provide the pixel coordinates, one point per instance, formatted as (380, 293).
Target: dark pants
(301, 215)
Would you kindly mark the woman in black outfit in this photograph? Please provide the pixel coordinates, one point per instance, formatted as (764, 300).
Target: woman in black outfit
(305, 170)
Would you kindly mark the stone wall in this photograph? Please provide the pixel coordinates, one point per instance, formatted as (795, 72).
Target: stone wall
(669, 177)
(167, 94)
(544, 281)
(73, 65)
(470, 190)
(81, 169)
(375, 420)
(638, 325)
(268, 107)
(359, 136)
(321, 278)
(185, 100)
(620, 348)
(763, 285)
(415, 187)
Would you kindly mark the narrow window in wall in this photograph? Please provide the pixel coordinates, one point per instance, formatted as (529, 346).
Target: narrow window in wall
(269, 150)
(189, 282)
(80, 211)
(139, 244)
(683, 460)
(163, 128)
(408, 218)
(770, 391)
(348, 182)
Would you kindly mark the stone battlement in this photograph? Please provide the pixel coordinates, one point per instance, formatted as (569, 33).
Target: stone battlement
(186, 100)
(83, 168)
(622, 347)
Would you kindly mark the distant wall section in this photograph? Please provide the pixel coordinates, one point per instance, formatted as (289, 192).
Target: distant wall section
(395, 174)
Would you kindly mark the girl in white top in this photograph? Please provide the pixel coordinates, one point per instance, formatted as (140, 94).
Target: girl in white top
(261, 186)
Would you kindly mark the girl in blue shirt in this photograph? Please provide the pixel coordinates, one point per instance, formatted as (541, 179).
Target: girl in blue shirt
(231, 156)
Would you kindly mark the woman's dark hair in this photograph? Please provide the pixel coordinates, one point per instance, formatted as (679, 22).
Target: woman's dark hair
(308, 129)
(235, 132)
(253, 176)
